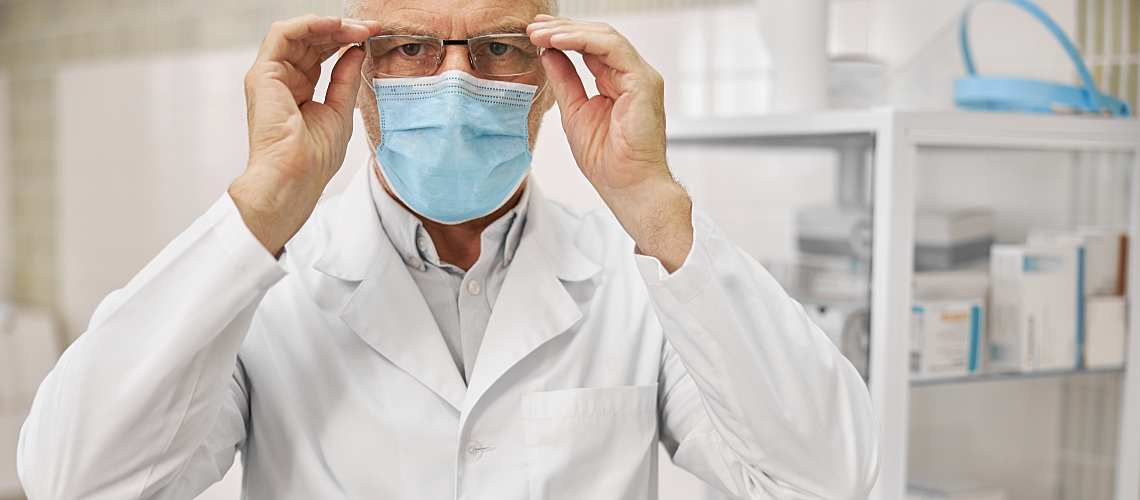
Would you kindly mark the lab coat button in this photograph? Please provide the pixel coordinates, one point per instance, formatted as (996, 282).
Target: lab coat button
(477, 450)
(421, 243)
(415, 262)
(473, 287)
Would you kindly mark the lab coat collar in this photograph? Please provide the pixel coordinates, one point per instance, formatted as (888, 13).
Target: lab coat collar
(533, 307)
(381, 307)
(355, 236)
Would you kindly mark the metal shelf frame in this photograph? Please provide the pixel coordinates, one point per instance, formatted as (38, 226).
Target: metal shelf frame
(895, 137)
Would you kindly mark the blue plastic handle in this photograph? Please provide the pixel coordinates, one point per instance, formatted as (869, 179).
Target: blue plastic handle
(1093, 99)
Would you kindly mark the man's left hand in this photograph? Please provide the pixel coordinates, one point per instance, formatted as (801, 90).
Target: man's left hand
(618, 136)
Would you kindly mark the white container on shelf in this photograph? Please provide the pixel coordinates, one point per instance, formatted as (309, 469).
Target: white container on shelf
(795, 33)
(1037, 301)
(1105, 332)
(944, 238)
(1104, 248)
(946, 337)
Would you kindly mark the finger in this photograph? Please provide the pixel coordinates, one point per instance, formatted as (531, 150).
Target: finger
(609, 46)
(315, 56)
(282, 35)
(310, 28)
(292, 40)
(562, 22)
(564, 82)
(603, 76)
(344, 83)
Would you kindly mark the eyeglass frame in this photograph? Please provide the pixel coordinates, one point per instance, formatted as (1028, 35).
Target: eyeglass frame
(444, 43)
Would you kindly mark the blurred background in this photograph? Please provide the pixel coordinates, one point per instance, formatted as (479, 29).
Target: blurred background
(821, 135)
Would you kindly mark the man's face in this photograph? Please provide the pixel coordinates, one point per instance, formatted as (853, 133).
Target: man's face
(453, 19)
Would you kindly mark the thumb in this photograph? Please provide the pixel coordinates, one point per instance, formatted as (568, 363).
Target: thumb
(344, 83)
(564, 82)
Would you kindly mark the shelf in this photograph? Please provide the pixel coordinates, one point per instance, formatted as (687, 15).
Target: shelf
(846, 129)
(824, 128)
(1016, 376)
(882, 152)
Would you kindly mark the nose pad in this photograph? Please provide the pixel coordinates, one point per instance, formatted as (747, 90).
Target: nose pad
(456, 57)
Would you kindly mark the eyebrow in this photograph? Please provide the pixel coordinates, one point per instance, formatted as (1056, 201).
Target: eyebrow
(408, 29)
(506, 27)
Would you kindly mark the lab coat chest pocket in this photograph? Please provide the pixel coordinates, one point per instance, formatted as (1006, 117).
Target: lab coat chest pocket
(596, 443)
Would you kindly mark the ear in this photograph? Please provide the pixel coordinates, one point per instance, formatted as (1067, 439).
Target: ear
(365, 98)
(369, 112)
(546, 100)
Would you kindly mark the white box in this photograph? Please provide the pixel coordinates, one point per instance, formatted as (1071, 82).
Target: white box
(944, 238)
(1105, 331)
(946, 337)
(1037, 307)
(1104, 248)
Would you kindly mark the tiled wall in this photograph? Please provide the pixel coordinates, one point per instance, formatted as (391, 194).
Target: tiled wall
(37, 36)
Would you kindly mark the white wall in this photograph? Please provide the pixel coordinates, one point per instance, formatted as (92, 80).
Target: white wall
(179, 138)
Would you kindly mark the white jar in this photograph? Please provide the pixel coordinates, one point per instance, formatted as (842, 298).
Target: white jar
(795, 33)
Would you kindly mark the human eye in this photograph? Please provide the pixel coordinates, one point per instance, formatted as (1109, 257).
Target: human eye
(411, 49)
(499, 49)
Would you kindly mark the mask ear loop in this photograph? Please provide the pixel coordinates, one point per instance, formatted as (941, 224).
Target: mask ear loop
(363, 76)
(538, 94)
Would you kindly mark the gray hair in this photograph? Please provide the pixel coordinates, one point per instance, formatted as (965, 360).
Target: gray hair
(353, 7)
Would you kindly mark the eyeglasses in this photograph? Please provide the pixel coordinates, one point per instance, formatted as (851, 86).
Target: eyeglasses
(494, 56)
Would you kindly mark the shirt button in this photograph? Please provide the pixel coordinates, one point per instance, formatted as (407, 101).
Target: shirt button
(476, 450)
(474, 288)
(421, 243)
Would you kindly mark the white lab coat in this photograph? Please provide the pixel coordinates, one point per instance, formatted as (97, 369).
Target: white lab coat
(327, 371)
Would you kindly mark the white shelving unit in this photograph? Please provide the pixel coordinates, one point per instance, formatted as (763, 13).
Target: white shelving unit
(895, 139)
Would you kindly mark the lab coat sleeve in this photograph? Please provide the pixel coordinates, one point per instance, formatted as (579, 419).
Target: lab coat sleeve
(754, 398)
(150, 401)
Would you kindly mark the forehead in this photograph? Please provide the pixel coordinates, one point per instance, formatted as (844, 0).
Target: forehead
(453, 18)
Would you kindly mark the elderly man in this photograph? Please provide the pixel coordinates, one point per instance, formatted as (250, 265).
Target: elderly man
(441, 330)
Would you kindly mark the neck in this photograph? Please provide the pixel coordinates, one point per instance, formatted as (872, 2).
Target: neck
(459, 244)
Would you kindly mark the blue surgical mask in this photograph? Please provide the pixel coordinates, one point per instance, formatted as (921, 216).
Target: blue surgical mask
(453, 147)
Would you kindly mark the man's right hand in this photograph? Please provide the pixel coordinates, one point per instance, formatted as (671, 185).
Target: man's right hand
(296, 145)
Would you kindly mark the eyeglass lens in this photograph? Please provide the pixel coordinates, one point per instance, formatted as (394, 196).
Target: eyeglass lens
(411, 56)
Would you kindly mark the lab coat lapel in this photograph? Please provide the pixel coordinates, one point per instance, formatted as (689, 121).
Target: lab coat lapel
(534, 305)
(385, 308)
